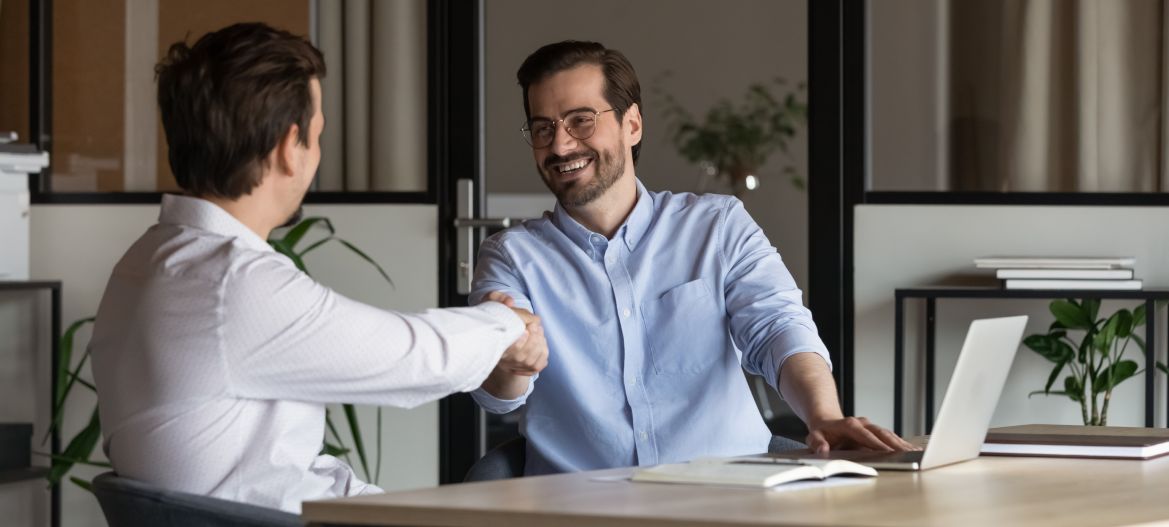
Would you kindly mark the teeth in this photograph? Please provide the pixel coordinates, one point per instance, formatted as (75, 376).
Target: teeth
(575, 165)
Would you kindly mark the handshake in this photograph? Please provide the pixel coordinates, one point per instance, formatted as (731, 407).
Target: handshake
(529, 353)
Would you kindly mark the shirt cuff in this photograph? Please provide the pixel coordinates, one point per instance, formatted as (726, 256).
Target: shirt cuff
(509, 328)
(496, 405)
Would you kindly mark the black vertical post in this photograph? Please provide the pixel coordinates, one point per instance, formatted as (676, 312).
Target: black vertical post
(453, 107)
(931, 321)
(1150, 357)
(40, 86)
(54, 364)
(836, 172)
(898, 360)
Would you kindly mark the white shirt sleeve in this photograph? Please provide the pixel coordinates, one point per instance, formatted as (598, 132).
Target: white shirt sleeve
(288, 337)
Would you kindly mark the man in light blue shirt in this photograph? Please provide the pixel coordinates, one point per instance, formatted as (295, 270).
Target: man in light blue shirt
(652, 303)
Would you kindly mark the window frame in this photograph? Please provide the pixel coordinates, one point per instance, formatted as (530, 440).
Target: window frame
(41, 119)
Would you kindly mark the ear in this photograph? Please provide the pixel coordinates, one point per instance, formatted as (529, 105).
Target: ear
(633, 124)
(287, 155)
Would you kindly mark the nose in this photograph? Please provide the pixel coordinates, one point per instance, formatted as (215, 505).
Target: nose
(563, 142)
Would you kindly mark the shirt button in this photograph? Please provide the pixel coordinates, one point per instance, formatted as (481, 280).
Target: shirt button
(610, 259)
(643, 435)
(625, 313)
(633, 381)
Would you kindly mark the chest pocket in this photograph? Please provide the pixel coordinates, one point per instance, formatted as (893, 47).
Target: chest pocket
(687, 331)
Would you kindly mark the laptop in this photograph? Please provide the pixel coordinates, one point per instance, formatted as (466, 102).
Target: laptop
(969, 403)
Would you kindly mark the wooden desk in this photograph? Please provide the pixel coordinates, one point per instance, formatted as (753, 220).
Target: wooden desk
(989, 491)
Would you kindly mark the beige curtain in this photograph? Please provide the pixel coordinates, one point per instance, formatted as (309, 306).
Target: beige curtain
(1058, 95)
(374, 95)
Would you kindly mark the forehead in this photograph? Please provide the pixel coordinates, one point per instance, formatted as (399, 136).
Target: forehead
(579, 87)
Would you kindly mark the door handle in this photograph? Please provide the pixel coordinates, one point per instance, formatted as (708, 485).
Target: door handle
(465, 226)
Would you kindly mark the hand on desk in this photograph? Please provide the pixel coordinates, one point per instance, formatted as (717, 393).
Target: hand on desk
(853, 433)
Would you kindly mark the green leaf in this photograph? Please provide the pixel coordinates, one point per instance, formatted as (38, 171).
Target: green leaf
(1102, 341)
(1163, 367)
(316, 244)
(1124, 324)
(1042, 392)
(334, 450)
(296, 233)
(79, 448)
(1140, 341)
(1112, 376)
(1071, 386)
(368, 259)
(1054, 375)
(1091, 308)
(85, 485)
(1070, 314)
(65, 379)
(1138, 316)
(355, 431)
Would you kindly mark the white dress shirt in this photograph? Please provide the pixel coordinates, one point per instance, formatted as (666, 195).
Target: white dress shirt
(214, 358)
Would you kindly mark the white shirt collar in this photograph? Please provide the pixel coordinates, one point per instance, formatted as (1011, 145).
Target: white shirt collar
(201, 214)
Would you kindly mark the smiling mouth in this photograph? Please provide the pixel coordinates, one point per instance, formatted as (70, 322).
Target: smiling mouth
(572, 167)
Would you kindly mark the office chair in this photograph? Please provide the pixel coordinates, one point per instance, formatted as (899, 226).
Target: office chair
(131, 503)
(507, 460)
(502, 462)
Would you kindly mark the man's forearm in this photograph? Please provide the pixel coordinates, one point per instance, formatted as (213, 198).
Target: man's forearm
(806, 384)
(505, 385)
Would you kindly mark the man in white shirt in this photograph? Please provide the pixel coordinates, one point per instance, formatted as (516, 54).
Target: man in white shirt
(214, 356)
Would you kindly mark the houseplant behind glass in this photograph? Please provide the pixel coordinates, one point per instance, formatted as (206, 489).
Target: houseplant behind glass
(79, 449)
(732, 141)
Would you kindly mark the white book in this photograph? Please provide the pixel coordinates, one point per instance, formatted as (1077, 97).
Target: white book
(1055, 262)
(760, 472)
(1065, 274)
(1121, 285)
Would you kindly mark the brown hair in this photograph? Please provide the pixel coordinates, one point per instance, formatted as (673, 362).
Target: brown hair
(622, 90)
(227, 101)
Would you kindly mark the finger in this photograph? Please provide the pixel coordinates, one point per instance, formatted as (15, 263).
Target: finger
(816, 442)
(889, 438)
(522, 340)
(501, 297)
(866, 439)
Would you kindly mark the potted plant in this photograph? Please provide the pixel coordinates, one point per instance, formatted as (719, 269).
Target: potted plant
(79, 449)
(732, 141)
(1095, 363)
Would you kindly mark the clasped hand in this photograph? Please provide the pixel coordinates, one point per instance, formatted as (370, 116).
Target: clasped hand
(529, 353)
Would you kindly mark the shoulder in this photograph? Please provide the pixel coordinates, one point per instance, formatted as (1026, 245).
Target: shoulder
(527, 232)
(688, 204)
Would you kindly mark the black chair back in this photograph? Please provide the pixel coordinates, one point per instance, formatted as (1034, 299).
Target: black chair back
(131, 503)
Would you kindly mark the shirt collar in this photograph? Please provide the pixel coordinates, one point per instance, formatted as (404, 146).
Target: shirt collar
(631, 231)
(201, 214)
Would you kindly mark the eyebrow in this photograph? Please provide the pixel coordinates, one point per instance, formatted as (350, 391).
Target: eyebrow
(566, 114)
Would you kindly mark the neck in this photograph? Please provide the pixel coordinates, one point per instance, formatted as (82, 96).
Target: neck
(248, 211)
(606, 213)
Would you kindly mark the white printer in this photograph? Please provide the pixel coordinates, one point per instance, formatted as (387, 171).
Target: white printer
(17, 161)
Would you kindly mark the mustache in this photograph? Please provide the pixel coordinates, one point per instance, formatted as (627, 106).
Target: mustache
(554, 159)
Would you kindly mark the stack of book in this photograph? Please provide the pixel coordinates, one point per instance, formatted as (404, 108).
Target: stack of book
(1063, 272)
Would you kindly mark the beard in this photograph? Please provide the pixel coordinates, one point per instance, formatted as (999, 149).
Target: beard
(608, 166)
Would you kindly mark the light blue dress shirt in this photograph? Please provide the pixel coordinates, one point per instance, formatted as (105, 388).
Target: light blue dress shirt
(648, 332)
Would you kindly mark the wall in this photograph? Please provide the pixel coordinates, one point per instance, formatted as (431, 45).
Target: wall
(80, 244)
(713, 50)
(905, 245)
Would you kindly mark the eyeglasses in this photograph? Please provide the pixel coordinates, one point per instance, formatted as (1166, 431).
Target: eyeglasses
(540, 133)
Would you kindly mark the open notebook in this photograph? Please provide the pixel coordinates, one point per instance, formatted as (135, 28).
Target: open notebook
(750, 472)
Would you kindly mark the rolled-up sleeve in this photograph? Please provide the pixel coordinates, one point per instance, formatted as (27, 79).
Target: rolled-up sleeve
(769, 322)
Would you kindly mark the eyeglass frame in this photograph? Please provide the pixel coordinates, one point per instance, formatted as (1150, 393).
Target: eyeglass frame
(526, 129)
